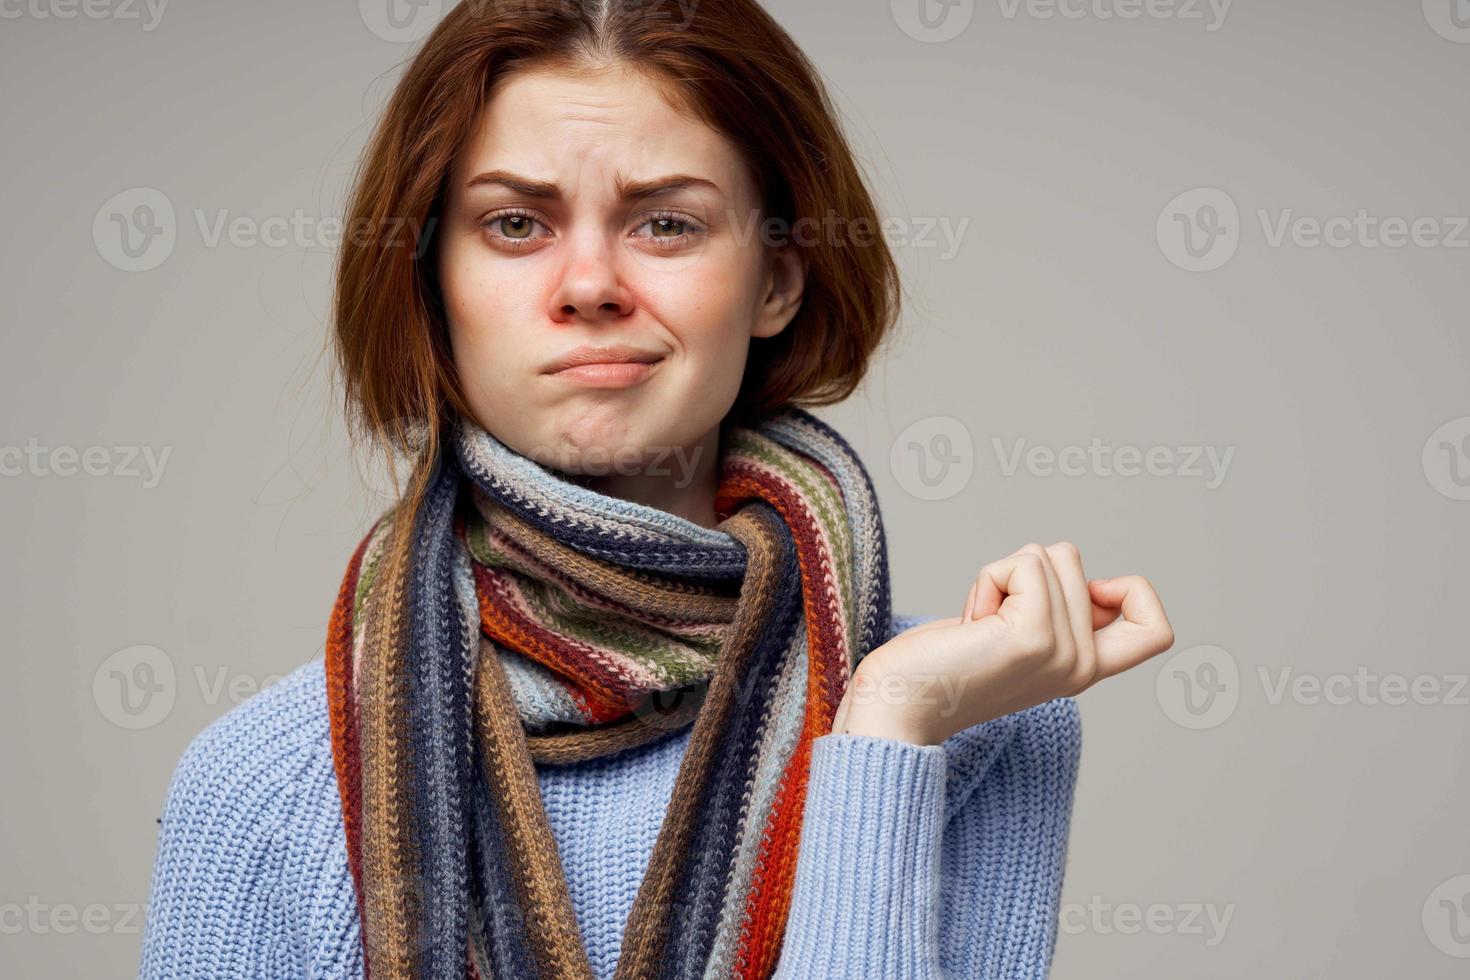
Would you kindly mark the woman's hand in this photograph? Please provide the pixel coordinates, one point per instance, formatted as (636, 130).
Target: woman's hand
(1033, 628)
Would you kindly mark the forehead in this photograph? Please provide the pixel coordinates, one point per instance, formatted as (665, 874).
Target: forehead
(554, 125)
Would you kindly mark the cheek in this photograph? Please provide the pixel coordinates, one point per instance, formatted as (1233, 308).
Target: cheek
(493, 320)
(486, 306)
(709, 306)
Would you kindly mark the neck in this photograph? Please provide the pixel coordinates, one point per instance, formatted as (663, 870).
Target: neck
(681, 481)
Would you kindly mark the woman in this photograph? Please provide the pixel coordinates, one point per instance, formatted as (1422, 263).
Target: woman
(616, 688)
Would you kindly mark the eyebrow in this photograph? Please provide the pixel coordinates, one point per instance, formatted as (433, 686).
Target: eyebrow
(628, 190)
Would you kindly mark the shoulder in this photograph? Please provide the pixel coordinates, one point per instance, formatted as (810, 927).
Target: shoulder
(248, 878)
(1044, 742)
(263, 744)
(256, 784)
(259, 777)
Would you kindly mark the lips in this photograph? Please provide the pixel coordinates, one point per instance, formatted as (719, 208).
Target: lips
(605, 354)
(607, 374)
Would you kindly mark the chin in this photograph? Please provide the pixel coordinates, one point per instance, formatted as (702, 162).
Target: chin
(589, 440)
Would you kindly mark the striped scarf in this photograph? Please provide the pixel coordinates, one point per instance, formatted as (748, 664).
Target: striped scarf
(532, 620)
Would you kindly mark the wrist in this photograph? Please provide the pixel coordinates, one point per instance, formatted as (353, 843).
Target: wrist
(867, 713)
(883, 728)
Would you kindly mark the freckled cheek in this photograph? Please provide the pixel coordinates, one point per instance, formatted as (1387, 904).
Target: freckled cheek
(493, 312)
(702, 306)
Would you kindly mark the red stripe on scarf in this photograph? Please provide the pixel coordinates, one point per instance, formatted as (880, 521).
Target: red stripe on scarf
(603, 694)
(344, 722)
(769, 897)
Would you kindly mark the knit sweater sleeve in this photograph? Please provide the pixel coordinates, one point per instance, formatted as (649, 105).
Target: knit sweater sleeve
(243, 870)
(935, 862)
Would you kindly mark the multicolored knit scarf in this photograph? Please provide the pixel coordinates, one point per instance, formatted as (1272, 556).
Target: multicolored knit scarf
(532, 620)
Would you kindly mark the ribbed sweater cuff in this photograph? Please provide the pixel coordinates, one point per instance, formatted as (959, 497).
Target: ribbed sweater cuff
(865, 899)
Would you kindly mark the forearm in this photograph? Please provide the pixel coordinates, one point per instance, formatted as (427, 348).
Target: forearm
(935, 861)
(865, 899)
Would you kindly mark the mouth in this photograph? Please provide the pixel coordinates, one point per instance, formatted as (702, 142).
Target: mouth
(607, 374)
(605, 367)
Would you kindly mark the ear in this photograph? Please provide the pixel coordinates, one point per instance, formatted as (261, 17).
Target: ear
(781, 290)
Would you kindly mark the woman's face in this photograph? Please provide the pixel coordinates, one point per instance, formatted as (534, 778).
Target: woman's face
(587, 212)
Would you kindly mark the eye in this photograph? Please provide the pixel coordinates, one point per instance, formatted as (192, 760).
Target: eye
(669, 229)
(516, 226)
(512, 229)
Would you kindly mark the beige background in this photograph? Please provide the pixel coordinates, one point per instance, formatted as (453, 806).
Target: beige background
(1331, 834)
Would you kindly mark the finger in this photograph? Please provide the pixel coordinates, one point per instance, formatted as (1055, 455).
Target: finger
(1014, 588)
(985, 595)
(1103, 613)
(1060, 625)
(1133, 596)
(1143, 631)
(970, 601)
(1066, 561)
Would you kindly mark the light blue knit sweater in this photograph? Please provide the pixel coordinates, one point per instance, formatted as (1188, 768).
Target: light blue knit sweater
(917, 862)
